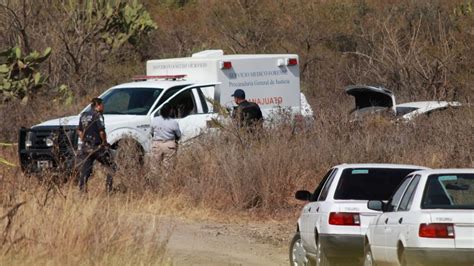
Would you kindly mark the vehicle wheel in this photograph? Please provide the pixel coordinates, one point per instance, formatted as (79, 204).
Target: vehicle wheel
(298, 253)
(321, 259)
(368, 258)
(128, 154)
(403, 259)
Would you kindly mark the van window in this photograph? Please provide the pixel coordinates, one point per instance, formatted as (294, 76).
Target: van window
(369, 183)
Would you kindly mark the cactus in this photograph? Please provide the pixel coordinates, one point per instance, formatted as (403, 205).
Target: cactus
(117, 21)
(19, 75)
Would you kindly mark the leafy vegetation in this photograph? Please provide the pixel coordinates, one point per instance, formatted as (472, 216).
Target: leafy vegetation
(19, 75)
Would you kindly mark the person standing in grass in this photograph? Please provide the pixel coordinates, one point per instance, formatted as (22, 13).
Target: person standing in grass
(165, 134)
(247, 114)
(94, 144)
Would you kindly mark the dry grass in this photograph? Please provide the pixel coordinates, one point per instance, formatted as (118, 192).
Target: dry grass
(46, 224)
(228, 175)
(421, 51)
(263, 174)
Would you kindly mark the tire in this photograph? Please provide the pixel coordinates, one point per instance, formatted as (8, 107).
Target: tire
(321, 259)
(128, 154)
(368, 258)
(403, 259)
(297, 252)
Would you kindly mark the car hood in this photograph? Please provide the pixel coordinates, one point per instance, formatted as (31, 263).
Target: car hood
(74, 120)
(369, 96)
(424, 107)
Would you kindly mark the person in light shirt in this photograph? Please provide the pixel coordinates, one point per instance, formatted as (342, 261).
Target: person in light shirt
(165, 135)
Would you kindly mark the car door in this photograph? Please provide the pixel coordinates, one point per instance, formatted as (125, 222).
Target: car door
(398, 221)
(308, 216)
(380, 227)
(193, 112)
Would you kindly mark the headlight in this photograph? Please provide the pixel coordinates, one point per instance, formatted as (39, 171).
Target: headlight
(28, 144)
(49, 142)
(79, 144)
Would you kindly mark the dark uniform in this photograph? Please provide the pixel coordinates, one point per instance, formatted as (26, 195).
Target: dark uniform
(91, 124)
(248, 114)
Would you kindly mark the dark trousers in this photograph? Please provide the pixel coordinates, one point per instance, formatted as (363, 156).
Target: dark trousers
(87, 158)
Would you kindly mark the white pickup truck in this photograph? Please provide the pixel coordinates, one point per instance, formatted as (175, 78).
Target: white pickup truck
(194, 85)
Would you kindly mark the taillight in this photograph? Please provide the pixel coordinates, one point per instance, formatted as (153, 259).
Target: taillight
(344, 218)
(292, 62)
(437, 230)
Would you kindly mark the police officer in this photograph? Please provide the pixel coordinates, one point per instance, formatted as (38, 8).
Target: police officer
(94, 144)
(247, 114)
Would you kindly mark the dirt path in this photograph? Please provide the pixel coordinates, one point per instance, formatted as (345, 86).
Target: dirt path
(211, 243)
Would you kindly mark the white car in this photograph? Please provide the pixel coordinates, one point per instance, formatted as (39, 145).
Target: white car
(332, 225)
(369, 99)
(428, 220)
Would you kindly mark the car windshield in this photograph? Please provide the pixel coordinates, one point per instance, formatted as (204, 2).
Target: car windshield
(405, 110)
(369, 183)
(130, 101)
(449, 191)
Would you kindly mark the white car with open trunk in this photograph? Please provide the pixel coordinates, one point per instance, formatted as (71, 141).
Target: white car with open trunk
(429, 220)
(333, 224)
(370, 99)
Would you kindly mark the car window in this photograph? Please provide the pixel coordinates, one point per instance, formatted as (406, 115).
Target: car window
(327, 186)
(405, 110)
(168, 93)
(449, 191)
(316, 192)
(184, 104)
(369, 183)
(395, 199)
(407, 198)
(205, 94)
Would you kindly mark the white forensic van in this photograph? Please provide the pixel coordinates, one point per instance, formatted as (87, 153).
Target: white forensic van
(194, 85)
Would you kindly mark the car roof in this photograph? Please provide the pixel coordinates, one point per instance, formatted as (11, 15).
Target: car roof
(380, 165)
(446, 171)
(163, 84)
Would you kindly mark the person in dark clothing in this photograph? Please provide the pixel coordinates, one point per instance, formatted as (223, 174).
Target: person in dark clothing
(246, 114)
(94, 144)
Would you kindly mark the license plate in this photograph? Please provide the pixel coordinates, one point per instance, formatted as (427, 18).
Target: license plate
(44, 164)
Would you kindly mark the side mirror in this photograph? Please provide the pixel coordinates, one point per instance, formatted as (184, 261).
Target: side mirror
(376, 205)
(303, 195)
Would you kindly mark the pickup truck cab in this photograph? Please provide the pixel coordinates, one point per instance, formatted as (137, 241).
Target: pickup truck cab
(194, 85)
(333, 224)
(429, 220)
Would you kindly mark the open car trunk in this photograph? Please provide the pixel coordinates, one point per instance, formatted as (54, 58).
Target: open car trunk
(370, 97)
